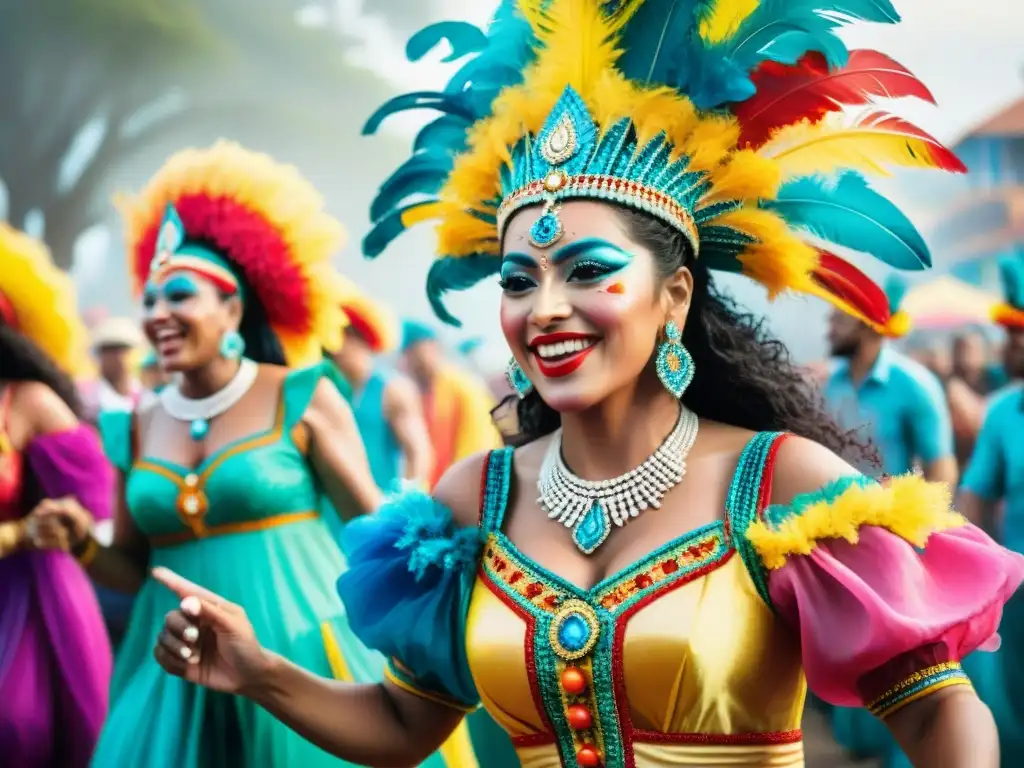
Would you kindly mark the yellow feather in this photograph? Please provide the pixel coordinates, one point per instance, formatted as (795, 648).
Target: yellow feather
(744, 176)
(908, 507)
(577, 43)
(725, 18)
(842, 142)
(44, 300)
(778, 259)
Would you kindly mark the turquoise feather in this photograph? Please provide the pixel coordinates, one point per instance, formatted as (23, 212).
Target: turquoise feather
(457, 274)
(386, 230)
(421, 174)
(446, 103)
(463, 37)
(446, 134)
(848, 213)
(663, 45)
(1011, 273)
(895, 291)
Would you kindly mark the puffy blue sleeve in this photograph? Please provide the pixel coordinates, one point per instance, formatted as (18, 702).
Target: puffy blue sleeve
(407, 592)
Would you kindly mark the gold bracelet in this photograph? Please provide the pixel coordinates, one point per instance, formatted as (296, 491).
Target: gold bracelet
(86, 551)
(11, 535)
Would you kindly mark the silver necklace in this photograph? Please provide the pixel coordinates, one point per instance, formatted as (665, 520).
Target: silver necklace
(199, 411)
(590, 507)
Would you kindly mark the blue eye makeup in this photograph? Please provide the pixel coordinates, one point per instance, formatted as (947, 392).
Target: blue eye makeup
(514, 278)
(595, 259)
(180, 288)
(588, 260)
(177, 289)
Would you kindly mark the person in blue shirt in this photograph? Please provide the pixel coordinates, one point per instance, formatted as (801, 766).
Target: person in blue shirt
(386, 404)
(996, 474)
(903, 406)
(898, 400)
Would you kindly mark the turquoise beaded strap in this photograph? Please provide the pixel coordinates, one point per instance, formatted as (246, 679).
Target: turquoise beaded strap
(741, 506)
(496, 486)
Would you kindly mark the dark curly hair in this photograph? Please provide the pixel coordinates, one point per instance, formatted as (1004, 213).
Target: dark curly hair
(22, 360)
(743, 376)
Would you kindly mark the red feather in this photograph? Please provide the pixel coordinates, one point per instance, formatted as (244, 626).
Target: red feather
(845, 282)
(251, 244)
(788, 94)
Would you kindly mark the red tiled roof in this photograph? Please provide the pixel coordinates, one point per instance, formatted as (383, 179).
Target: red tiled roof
(1007, 122)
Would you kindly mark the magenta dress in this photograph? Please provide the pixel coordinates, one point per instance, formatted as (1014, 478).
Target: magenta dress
(55, 658)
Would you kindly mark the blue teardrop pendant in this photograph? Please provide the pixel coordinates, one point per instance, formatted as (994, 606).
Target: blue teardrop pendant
(199, 428)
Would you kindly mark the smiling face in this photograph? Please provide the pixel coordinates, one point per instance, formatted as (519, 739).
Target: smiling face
(582, 317)
(185, 317)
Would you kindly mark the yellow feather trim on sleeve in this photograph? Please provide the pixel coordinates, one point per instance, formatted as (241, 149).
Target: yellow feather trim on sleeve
(907, 506)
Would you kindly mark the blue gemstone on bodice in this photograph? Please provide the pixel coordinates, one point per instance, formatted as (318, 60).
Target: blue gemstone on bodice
(592, 530)
(574, 633)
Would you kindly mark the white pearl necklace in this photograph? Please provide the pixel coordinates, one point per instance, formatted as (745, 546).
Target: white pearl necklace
(199, 411)
(590, 507)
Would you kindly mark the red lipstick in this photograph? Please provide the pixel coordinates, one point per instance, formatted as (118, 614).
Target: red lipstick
(563, 365)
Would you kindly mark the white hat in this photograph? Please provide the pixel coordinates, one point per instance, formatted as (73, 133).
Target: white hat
(116, 332)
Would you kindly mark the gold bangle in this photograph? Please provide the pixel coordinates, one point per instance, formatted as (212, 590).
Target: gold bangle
(11, 535)
(86, 552)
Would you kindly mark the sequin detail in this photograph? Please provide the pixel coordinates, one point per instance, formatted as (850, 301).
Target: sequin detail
(744, 503)
(549, 601)
(917, 686)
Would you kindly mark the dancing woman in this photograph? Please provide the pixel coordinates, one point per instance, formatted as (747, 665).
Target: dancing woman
(55, 657)
(223, 475)
(658, 575)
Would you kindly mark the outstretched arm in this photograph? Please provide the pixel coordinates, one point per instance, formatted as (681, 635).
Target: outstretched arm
(209, 641)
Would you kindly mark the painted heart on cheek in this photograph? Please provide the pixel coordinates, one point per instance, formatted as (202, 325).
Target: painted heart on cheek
(616, 288)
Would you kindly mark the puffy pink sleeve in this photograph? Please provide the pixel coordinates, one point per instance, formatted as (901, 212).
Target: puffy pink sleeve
(887, 588)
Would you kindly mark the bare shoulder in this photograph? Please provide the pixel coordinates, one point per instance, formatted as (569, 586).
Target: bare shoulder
(48, 413)
(400, 391)
(328, 406)
(804, 466)
(459, 489)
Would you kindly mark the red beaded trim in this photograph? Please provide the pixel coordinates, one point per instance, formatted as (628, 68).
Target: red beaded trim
(724, 739)
(618, 647)
(533, 740)
(531, 662)
(765, 496)
(576, 186)
(500, 565)
(623, 590)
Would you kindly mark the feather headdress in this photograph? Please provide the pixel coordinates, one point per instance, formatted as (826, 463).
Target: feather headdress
(254, 217)
(727, 119)
(38, 300)
(1010, 313)
(370, 319)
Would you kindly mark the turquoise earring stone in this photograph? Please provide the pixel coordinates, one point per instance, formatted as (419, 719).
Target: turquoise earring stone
(517, 379)
(674, 364)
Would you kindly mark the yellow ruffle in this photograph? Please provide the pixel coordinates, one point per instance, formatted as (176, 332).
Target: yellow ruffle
(907, 506)
(43, 299)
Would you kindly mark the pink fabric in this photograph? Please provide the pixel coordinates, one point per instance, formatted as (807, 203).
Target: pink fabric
(860, 607)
